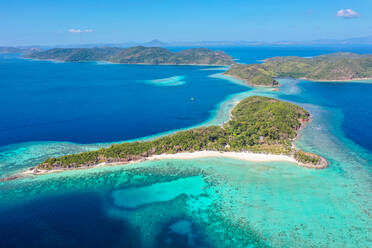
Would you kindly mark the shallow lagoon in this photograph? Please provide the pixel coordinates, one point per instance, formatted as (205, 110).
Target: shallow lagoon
(228, 203)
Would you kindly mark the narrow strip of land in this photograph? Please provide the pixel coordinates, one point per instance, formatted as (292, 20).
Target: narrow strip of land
(260, 129)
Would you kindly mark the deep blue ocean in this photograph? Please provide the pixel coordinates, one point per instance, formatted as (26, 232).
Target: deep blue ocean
(354, 100)
(92, 103)
(98, 103)
(191, 203)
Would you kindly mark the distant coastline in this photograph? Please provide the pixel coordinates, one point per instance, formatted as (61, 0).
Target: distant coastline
(135, 55)
(340, 80)
(247, 82)
(335, 67)
(113, 63)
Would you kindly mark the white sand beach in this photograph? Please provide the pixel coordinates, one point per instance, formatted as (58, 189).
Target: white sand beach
(247, 156)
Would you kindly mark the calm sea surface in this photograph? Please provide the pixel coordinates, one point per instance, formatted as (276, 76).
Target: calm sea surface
(51, 109)
(90, 103)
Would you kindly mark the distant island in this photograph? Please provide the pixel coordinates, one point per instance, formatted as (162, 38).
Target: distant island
(260, 129)
(331, 67)
(136, 55)
(8, 50)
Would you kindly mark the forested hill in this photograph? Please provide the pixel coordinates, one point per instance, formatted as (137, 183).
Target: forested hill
(331, 67)
(136, 55)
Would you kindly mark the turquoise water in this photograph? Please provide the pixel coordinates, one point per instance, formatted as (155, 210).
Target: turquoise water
(171, 81)
(158, 192)
(210, 202)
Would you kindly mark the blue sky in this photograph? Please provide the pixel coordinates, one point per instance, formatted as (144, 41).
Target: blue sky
(48, 22)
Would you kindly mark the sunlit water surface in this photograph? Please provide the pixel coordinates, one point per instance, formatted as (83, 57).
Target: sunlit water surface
(205, 202)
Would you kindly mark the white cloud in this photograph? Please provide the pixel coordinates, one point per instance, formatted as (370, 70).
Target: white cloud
(347, 13)
(72, 30)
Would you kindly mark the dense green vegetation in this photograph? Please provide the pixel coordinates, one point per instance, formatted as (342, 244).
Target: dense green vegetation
(136, 55)
(253, 75)
(258, 124)
(306, 158)
(75, 54)
(336, 66)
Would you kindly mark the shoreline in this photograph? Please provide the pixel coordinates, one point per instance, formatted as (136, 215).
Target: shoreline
(336, 80)
(243, 156)
(246, 82)
(113, 63)
(356, 80)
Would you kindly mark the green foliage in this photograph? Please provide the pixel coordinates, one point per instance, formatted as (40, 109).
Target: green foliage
(258, 124)
(136, 55)
(336, 66)
(307, 158)
(142, 55)
(76, 54)
(253, 74)
(261, 120)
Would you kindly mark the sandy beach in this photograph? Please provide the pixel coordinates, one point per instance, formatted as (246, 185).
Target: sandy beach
(247, 156)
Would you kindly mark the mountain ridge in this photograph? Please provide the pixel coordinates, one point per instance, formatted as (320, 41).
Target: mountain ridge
(136, 55)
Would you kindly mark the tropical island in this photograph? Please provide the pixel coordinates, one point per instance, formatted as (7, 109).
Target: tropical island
(260, 129)
(135, 55)
(340, 66)
(331, 67)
